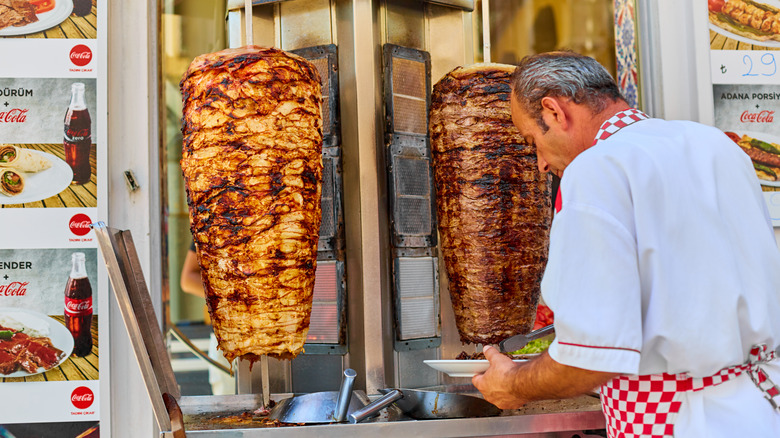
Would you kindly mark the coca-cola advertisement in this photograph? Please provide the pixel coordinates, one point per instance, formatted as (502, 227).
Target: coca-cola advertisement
(49, 19)
(49, 308)
(75, 429)
(750, 115)
(48, 152)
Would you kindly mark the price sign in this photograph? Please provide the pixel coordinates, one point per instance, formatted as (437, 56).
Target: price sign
(744, 67)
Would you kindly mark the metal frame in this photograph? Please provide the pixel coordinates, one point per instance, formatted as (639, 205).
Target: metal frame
(135, 305)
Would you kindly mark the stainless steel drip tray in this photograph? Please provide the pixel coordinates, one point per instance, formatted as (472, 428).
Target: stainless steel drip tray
(215, 412)
(232, 416)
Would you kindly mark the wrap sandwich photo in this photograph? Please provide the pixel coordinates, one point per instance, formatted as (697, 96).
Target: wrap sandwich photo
(11, 181)
(22, 159)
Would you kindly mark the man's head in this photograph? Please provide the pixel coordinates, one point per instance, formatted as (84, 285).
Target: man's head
(562, 74)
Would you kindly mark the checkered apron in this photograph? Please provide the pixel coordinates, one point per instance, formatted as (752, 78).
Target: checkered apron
(611, 126)
(647, 406)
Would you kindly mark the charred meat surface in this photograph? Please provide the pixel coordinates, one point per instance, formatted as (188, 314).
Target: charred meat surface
(494, 207)
(16, 13)
(252, 166)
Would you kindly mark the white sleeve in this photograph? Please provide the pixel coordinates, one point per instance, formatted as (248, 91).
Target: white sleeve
(592, 285)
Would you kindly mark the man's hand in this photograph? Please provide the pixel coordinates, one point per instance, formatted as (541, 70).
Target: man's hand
(496, 383)
(509, 385)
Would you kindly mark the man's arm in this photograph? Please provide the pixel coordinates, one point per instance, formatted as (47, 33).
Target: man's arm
(190, 280)
(509, 385)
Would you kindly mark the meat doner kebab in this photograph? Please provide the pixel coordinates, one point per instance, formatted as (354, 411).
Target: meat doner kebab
(663, 269)
(252, 166)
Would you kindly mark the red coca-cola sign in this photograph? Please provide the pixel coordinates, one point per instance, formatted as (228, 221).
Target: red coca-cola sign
(14, 115)
(82, 397)
(14, 289)
(764, 116)
(80, 55)
(79, 224)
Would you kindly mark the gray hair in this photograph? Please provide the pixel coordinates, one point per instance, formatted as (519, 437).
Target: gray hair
(562, 74)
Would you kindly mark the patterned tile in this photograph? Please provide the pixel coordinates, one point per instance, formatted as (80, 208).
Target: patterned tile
(626, 51)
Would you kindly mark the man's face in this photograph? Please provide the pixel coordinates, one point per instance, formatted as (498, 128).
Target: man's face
(549, 145)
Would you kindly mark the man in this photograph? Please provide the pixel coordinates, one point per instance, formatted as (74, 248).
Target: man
(663, 271)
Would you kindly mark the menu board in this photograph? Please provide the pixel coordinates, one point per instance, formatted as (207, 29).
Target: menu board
(744, 58)
(53, 291)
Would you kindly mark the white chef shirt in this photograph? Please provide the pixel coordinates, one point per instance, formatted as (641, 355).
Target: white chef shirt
(663, 260)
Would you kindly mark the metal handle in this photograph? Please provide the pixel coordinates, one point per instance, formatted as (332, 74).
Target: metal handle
(345, 395)
(376, 406)
(542, 332)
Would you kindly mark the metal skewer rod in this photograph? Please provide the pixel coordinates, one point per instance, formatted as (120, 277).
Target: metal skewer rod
(248, 24)
(265, 382)
(486, 30)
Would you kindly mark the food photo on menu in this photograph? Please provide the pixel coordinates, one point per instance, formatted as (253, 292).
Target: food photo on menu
(750, 116)
(26, 17)
(765, 155)
(757, 21)
(47, 154)
(48, 327)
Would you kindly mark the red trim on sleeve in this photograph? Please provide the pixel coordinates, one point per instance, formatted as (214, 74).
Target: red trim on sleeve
(599, 347)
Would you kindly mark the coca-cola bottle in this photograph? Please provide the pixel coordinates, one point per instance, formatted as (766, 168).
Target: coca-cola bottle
(78, 306)
(78, 135)
(82, 7)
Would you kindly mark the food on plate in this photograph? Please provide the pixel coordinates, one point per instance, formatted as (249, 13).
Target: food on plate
(16, 13)
(25, 345)
(746, 18)
(534, 347)
(22, 159)
(252, 166)
(42, 6)
(493, 205)
(765, 155)
(11, 181)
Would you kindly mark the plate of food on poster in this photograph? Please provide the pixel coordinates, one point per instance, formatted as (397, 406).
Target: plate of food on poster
(747, 21)
(23, 17)
(31, 343)
(764, 150)
(28, 175)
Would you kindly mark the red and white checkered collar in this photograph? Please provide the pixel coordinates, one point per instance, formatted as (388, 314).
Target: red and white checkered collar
(618, 122)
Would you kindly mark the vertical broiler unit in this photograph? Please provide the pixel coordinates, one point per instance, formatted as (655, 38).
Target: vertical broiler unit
(381, 303)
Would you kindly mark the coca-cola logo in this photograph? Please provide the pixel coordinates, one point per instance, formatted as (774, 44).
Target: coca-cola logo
(77, 134)
(82, 397)
(764, 116)
(79, 224)
(80, 55)
(14, 115)
(14, 289)
(78, 307)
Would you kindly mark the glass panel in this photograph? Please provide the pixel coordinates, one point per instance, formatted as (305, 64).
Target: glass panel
(525, 27)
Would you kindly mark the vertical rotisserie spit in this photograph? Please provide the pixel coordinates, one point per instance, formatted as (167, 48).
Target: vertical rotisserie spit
(494, 206)
(252, 125)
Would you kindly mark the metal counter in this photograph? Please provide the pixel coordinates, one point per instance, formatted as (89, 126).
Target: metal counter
(220, 417)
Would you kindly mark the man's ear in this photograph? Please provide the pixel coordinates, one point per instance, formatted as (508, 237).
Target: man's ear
(554, 112)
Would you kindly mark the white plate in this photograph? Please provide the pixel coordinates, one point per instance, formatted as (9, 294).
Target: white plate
(740, 38)
(43, 184)
(59, 334)
(46, 20)
(461, 368)
(763, 136)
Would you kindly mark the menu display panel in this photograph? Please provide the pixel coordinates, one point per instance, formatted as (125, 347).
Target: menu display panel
(53, 291)
(744, 57)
